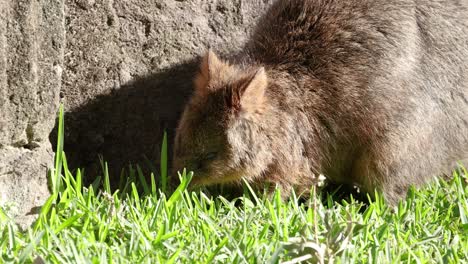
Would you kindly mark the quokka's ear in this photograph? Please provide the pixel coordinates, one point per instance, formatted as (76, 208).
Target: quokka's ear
(211, 66)
(249, 93)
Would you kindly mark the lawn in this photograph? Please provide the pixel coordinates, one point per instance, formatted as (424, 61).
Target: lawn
(143, 223)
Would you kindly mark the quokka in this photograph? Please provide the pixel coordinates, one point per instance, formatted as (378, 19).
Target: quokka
(372, 93)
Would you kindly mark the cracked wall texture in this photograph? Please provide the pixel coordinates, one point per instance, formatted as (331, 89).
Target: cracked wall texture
(122, 69)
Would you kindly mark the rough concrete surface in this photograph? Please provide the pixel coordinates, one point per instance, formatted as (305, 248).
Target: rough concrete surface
(122, 68)
(32, 38)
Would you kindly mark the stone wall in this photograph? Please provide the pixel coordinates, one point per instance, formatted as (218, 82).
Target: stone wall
(32, 42)
(122, 69)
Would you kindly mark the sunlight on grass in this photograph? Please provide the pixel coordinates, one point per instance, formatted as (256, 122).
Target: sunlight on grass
(142, 223)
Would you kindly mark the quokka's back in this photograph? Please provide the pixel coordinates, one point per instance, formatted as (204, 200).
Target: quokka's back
(371, 93)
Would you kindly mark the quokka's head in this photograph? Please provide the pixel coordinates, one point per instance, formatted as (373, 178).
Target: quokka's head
(221, 136)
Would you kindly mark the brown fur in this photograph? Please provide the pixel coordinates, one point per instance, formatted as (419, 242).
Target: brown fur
(371, 93)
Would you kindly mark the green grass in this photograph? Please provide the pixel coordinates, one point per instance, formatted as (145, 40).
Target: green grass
(139, 223)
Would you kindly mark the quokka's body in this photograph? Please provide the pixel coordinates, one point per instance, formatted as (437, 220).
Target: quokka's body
(367, 92)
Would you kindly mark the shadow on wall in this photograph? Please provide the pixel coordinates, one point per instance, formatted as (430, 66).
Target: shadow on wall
(127, 124)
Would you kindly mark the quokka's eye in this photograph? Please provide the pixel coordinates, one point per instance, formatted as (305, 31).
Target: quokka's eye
(211, 156)
(204, 161)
